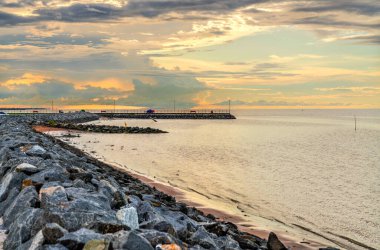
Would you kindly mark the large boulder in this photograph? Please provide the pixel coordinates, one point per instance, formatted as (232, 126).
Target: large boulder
(53, 196)
(52, 232)
(28, 198)
(203, 238)
(53, 173)
(20, 230)
(10, 181)
(35, 150)
(77, 240)
(11, 197)
(130, 241)
(128, 216)
(156, 238)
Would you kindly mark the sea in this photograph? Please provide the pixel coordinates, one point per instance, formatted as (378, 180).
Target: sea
(308, 175)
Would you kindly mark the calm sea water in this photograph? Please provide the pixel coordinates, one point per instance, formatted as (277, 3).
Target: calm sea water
(283, 169)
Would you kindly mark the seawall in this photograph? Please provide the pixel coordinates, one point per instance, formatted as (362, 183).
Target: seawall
(52, 196)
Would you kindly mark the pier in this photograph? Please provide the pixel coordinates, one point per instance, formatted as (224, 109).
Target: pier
(211, 114)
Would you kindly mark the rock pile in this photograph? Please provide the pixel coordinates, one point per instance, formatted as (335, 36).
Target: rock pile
(103, 128)
(53, 196)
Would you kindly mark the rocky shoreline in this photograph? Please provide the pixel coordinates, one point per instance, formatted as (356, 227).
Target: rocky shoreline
(53, 196)
(102, 128)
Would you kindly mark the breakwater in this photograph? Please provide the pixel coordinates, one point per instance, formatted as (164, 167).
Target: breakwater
(53, 196)
(206, 116)
(103, 128)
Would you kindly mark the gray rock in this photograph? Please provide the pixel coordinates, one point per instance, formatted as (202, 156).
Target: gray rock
(105, 225)
(28, 198)
(10, 181)
(21, 228)
(155, 238)
(11, 197)
(37, 242)
(27, 168)
(227, 243)
(54, 173)
(53, 196)
(274, 243)
(76, 240)
(131, 241)
(52, 232)
(203, 238)
(128, 216)
(54, 247)
(36, 150)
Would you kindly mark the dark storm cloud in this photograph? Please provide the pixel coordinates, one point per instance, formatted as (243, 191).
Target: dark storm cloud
(367, 8)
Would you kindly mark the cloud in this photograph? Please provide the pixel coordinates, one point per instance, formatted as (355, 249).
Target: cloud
(52, 41)
(81, 13)
(7, 19)
(368, 8)
(329, 20)
(62, 92)
(152, 86)
(151, 8)
(264, 103)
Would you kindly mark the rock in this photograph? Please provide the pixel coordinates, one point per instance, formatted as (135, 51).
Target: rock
(274, 243)
(35, 150)
(203, 238)
(37, 241)
(54, 247)
(52, 232)
(131, 241)
(128, 216)
(54, 173)
(156, 238)
(97, 245)
(164, 226)
(27, 168)
(10, 181)
(11, 197)
(21, 228)
(27, 198)
(168, 247)
(227, 243)
(53, 196)
(107, 225)
(78, 239)
(86, 177)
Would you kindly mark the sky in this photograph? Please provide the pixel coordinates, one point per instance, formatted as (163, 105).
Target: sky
(200, 53)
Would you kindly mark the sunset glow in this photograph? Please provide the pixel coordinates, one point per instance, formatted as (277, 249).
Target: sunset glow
(146, 53)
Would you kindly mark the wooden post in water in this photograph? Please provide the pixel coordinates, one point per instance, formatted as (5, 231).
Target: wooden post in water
(355, 122)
